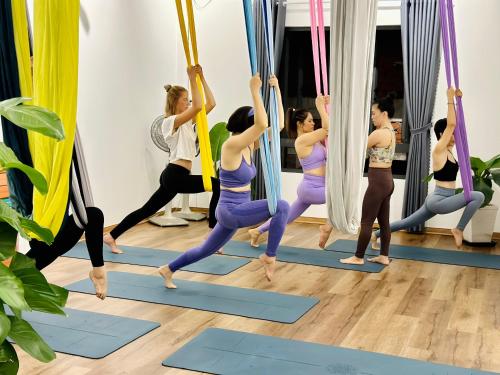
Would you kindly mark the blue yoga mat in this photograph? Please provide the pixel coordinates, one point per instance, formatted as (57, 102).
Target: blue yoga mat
(298, 255)
(141, 256)
(220, 351)
(87, 334)
(250, 303)
(457, 258)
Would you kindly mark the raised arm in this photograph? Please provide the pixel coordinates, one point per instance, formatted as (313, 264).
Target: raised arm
(209, 96)
(193, 110)
(451, 122)
(320, 134)
(240, 141)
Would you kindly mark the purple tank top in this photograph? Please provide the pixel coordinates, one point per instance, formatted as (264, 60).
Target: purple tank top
(239, 177)
(316, 159)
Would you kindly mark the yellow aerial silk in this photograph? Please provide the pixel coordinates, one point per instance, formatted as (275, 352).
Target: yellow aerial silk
(55, 83)
(207, 164)
(21, 40)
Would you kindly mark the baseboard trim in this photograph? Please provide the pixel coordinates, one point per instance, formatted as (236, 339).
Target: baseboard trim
(319, 221)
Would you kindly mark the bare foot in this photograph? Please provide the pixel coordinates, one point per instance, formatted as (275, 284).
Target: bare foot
(110, 241)
(98, 277)
(382, 259)
(167, 275)
(254, 237)
(458, 235)
(353, 260)
(324, 234)
(269, 264)
(375, 242)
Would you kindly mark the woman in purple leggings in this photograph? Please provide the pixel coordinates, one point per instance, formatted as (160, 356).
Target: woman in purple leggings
(312, 157)
(235, 209)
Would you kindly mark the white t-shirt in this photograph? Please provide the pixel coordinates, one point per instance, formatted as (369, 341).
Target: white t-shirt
(182, 142)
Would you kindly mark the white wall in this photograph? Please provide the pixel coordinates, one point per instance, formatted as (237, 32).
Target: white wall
(133, 48)
(126, 56)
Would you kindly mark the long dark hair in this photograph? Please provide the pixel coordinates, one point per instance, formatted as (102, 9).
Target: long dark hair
(292, 117)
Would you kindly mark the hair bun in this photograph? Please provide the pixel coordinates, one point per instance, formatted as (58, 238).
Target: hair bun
(167, 87)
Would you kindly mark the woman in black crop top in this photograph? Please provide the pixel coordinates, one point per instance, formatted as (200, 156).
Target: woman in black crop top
(443, 199)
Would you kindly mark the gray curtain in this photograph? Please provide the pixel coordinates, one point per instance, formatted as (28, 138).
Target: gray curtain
(420, 31)
(279, 17)
(352, 46)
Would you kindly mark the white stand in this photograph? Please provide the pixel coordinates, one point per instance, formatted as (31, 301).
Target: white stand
(167, 219)
(186, 212)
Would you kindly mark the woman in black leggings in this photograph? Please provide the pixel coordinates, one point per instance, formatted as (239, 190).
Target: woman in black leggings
(180, 135)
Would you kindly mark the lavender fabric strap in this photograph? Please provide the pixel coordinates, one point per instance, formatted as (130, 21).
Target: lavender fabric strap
(450, 53)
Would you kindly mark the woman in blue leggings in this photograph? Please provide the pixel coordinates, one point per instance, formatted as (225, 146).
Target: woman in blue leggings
(443, 200)
(235, 209)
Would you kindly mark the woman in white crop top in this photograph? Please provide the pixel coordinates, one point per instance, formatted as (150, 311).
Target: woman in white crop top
(180, 135)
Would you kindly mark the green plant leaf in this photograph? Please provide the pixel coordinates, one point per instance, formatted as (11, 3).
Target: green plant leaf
(37, 291)
(493, 163)
(218, 135)
(495, 174)
(29, 340)
(8, 239)
(428, 178)
(8, 160)
(60, 294)
(9, 363)
(482, 186)
(43, 233)
(11, 289)
(19, 223)
(32, 118)
(10, 103)
(4, 326)
(477, 165)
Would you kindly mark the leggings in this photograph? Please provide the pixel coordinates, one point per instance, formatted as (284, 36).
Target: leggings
(173, 180)
(311, 190)
(441, 201)
(236, 210)
(68, 236)
(376, 205)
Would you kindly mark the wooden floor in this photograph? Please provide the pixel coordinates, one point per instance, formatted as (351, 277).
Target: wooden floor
(432, 312)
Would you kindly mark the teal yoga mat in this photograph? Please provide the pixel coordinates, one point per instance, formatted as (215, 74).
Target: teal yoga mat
(141, 256)
(87, 334)
(289, 254)
(250, 303)
(452, 257)
(220, 351)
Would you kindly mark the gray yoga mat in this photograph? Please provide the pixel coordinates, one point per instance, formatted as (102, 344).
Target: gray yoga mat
(457, 258)
(220, 351)
(251, 303)
(87, 334)
(142, 256)
(289, 254)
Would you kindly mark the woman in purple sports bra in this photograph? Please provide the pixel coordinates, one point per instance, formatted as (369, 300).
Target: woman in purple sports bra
(235, 209)
(312, 157)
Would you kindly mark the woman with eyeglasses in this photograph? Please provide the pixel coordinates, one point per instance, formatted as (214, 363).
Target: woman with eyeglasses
(180, 135)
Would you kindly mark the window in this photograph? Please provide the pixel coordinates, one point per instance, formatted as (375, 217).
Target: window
(299, 91)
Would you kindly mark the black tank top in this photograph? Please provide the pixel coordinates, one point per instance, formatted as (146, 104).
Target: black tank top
(448, 172)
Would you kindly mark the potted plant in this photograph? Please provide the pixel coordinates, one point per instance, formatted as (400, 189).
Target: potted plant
(22, 286)
(482, 225)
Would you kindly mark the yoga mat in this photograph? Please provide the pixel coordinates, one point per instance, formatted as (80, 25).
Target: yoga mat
(142, 256)
(220, 351)
(250, 303)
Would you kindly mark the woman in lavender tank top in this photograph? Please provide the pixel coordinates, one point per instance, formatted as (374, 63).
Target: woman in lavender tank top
(235, 209)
